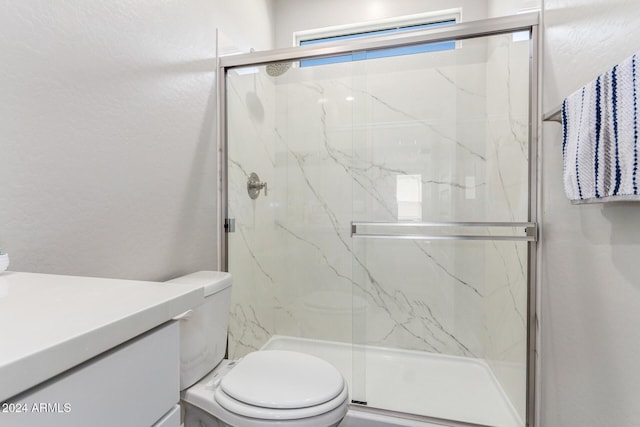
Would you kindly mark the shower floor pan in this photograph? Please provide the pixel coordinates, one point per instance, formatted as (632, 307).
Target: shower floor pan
(413, 382)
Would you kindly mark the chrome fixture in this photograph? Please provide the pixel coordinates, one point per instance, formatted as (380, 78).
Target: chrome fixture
(254, 185)
(277, 69)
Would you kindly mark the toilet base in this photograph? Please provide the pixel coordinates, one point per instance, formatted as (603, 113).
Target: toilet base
(196, 417)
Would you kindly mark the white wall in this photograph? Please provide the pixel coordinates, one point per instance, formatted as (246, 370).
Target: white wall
(246, 24)
(511, 7)
(107, 133)
(591, 275)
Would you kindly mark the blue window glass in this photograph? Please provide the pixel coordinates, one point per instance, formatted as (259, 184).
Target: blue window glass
(406, 50)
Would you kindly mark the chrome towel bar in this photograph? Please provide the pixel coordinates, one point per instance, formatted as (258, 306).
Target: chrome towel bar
(507, 231)
(554, 115)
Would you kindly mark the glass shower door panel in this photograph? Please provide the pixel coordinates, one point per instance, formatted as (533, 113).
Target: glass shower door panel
(446, 134)
(290, 254)
(446, 327)
(446, 139)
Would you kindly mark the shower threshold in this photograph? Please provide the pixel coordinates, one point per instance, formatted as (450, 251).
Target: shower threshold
(412, 382)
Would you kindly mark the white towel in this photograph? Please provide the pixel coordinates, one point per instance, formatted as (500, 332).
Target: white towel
(600, 137)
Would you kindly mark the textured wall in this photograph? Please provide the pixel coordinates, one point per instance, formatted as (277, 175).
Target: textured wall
(591, 274)
(107, 140)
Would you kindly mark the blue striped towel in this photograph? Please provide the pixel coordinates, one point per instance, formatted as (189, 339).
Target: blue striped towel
(600, 138)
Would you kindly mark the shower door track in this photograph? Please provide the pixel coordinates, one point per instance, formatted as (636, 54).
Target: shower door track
(386, 413)
(465, 30)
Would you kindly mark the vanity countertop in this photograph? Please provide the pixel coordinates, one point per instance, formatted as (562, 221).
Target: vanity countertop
(50, 323)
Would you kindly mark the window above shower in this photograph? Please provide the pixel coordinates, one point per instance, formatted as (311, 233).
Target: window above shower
(291, 16)
(394, 25)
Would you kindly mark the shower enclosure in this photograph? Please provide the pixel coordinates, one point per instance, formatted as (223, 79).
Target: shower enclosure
(380, 212)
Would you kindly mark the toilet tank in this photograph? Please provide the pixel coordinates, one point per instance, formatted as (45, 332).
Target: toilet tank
(203, 330)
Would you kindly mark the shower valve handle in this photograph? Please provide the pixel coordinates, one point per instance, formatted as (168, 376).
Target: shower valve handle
(254, 185)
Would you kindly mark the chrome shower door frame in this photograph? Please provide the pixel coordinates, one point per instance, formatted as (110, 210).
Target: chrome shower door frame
(473, 29)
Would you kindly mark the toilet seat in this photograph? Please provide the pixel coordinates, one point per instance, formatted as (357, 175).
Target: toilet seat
(242, 409)
(273, 387)
(274, 381)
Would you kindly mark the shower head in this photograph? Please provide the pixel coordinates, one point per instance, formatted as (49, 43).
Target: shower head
(277, 69)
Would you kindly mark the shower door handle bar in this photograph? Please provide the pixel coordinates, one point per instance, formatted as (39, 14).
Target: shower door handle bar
(359, 229)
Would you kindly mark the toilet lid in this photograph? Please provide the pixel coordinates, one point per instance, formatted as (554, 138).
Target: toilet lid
(280, 379)
(337, 406)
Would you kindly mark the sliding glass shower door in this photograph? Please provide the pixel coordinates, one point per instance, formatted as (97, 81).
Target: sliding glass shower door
(379, 216)
(440, 176)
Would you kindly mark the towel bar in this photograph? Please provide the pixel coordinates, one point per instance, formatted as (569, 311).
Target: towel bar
(553, 116)
(509, 231)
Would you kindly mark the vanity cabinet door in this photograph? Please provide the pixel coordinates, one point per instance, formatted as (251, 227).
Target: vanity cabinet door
(171, 419)
(133, 385)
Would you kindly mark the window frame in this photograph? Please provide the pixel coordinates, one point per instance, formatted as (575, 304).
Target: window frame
(361, 30)
(378, 25)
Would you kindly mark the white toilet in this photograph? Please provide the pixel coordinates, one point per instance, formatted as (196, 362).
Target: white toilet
(264, 388)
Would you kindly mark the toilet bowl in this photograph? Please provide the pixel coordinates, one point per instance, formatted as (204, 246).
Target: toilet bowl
(264, 388)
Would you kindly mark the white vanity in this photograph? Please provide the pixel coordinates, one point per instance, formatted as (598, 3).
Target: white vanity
(78, 351)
